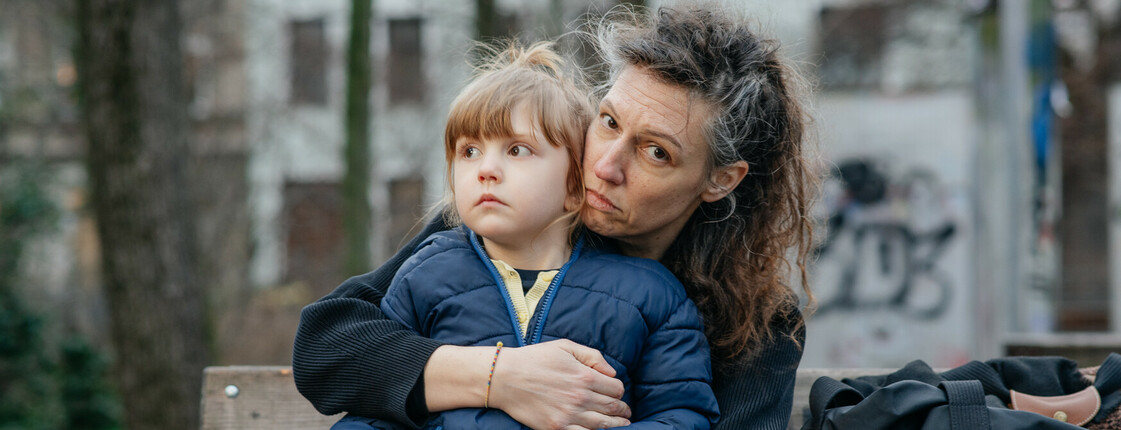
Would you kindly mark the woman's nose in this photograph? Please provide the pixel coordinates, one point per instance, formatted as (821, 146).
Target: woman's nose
(609, 167)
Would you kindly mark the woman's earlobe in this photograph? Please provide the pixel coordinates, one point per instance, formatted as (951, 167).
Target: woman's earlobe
(724, 180)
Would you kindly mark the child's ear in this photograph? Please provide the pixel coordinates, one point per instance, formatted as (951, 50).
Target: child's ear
(724, 180)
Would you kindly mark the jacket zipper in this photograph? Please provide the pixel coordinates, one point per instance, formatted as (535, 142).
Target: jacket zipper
(501, 285)
(537, 323)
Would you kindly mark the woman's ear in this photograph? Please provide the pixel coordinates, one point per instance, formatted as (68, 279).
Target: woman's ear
(724, 180)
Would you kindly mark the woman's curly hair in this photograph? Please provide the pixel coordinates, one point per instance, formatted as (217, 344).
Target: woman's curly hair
(732, 255)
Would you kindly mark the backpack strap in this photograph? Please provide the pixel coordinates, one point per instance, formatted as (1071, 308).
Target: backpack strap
(1108, 383)
(827, 393)
(967, 405)
(1108, 378)
(991, 381)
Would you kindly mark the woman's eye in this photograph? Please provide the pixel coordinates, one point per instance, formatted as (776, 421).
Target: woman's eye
(657, 153)
(608, 121)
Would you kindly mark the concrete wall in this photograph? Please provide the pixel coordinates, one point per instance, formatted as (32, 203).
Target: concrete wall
(894, 276)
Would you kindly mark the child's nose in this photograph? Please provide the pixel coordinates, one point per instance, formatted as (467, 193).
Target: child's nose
(490, 169)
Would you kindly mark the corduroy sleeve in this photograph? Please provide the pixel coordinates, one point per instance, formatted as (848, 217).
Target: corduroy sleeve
(348, 357)
(758, 393)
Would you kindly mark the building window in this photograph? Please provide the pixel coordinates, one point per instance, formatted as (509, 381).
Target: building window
(406, 60)
(313, 234)
(308, 62)
(406, 209)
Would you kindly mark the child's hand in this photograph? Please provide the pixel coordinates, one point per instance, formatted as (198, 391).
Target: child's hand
(558, 385)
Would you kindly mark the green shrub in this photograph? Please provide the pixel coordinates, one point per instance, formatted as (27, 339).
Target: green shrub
(45, 383)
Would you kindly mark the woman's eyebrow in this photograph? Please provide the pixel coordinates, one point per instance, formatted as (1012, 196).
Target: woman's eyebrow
(663, 136)
(650, 132)
(607, 103)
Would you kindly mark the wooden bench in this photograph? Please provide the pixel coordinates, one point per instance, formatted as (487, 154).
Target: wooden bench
(265, 397)
(256, 397)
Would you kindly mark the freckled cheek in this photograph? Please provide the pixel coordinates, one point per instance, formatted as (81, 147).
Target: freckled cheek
(661, 198)
(593, 151)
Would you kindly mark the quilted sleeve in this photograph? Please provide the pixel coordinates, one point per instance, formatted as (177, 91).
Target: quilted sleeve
(399, 303)
(672, 385)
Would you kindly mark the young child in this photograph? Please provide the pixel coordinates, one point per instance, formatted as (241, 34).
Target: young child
(519, 271)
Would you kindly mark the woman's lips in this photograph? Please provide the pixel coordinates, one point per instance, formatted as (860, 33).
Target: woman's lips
(599, 202)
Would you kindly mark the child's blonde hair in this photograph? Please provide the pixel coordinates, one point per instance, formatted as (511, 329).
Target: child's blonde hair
(535, 78)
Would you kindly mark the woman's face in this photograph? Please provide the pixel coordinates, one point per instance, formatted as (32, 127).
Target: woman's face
(645, 163)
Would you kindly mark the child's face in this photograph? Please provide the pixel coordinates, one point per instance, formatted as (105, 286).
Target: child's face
(509, 189)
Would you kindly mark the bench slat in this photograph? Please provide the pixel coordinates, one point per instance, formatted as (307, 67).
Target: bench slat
(267, 399)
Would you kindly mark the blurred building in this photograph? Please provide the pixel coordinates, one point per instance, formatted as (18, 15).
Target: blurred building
(898, 125)
(297, 58)
(967, 215)
(971, 211)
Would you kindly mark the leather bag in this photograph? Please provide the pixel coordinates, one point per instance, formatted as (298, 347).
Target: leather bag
(1005, 393)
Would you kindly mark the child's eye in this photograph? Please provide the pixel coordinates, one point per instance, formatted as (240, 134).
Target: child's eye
(519, 151)
(471, 152)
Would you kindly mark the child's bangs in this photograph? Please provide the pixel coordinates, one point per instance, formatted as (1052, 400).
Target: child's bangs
(483, 113)
(483, 109)
(561, 119)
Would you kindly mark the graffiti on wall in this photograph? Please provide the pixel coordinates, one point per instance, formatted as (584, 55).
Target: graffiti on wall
(885, 237)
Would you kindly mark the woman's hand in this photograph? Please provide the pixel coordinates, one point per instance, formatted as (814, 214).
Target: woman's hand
(552, 385)
(558, 385)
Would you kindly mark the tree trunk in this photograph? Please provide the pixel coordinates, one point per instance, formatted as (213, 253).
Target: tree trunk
(356, 182)
(1084, 154)
(486, 20)
(135, 120)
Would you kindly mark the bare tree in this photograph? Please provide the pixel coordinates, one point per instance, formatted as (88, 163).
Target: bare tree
(356, 182)
(135, 121)
(485, 20)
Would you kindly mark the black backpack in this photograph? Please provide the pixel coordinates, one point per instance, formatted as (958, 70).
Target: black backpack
(974, 396)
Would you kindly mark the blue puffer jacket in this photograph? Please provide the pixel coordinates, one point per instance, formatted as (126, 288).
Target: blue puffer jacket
(632, 310)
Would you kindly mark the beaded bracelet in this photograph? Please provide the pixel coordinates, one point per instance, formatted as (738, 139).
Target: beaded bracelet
(486, 399)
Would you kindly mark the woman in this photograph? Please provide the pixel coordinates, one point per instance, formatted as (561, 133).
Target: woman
(696, 100)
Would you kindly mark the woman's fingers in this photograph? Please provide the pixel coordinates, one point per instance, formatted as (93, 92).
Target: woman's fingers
(603, 383)
(549, 385)
(591, 420)
(600, 406)
(590, 357)
(612, 389)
